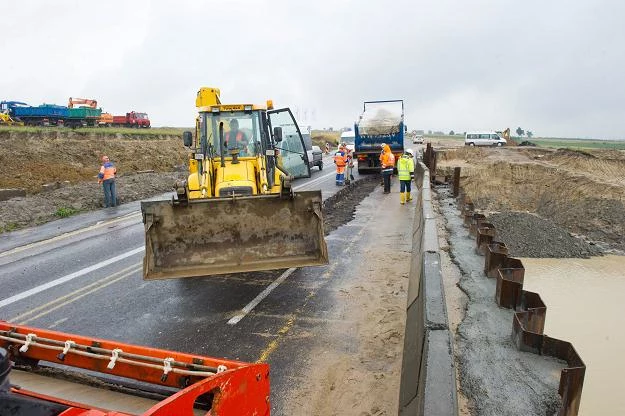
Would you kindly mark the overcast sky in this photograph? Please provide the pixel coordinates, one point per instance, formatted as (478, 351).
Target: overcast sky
(554, 67)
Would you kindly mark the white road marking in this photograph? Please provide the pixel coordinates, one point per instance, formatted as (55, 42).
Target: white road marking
(64, 279)
(99, 224)
(262, 295)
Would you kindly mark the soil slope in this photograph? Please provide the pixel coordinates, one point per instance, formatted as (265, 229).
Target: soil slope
(583, 192)
(147, 164)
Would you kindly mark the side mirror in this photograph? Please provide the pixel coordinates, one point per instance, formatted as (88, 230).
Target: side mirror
(187, 138)
(277, 134)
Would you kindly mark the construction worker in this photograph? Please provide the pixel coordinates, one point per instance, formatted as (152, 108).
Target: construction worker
(350, 164)
(405, 172)
(238, 136)
(106, 178)
(340, 160)
(387, 163)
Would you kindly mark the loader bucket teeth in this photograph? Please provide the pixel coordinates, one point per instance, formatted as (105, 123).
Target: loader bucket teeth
(232, 235)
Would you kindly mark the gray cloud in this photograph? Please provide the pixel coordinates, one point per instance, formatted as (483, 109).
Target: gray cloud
(552, 67)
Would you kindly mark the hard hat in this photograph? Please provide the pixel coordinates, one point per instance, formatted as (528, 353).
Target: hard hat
(410, 152)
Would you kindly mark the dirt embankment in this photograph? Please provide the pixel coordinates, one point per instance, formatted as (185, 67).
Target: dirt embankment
(583, 192)
(31, 160)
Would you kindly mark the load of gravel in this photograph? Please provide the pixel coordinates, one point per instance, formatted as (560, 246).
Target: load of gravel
(380, 122)
(528, 235)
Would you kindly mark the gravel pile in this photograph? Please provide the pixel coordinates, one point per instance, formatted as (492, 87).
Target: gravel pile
(527, 235)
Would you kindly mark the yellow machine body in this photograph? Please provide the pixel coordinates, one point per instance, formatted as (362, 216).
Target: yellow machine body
(236, 212)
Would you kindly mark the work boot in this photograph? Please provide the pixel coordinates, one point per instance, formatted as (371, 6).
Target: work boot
(408, 197)
(402, 198)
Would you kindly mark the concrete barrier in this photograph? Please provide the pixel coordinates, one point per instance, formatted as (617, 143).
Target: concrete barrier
(428, 377)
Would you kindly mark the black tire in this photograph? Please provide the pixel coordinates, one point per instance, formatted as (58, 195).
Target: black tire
(321, 166)
(499, 144)
(471, 144)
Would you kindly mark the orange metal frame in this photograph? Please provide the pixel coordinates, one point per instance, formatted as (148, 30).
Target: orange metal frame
(238, 388)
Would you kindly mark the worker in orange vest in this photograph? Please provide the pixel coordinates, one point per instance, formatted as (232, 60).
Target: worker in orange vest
(349, 176)
(106, 178)
(239, 139)
(387, 163)
(340, 160)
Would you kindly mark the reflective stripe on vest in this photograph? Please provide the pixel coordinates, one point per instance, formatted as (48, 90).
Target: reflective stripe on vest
(404, 167)
(107, 171)
(387, 160)
(339, 159)
(239, 136)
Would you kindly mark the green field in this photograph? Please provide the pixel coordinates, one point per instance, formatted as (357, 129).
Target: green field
(553, 142)
(579, 143)
(165, 131)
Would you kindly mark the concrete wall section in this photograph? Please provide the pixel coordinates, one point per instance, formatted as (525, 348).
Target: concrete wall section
(428, 385)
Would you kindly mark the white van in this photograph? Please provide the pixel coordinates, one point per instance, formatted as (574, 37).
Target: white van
(348, 138)
(484, 138)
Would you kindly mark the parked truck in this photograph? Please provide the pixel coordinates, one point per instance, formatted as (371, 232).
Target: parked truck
(132, 119)
(52, 114)
(381, 122)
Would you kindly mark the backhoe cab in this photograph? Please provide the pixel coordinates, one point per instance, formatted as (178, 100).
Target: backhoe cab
(236, 212)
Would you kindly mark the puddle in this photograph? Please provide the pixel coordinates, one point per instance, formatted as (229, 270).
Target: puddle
(584, 299)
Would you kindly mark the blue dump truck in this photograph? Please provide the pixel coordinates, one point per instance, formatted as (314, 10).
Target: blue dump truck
(51, 114)
(381, 122)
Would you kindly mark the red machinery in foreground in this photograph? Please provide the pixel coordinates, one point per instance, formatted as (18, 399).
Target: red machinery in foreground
(176, 382)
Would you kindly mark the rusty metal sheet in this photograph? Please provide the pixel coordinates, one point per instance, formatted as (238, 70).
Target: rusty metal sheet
(475, 223)
(485, 235)
(232, 235)
(530, 311)
(509, 287)
(495, 255)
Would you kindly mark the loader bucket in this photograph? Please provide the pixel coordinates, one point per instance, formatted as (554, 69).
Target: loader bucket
(232, 235)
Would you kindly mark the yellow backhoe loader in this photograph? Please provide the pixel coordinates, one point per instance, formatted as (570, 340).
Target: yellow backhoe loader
(237, 211)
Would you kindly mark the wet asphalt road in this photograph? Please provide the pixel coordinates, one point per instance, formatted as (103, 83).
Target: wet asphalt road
(84, 275)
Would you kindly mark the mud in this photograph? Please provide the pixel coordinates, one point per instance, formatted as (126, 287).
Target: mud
(353, 360)
(340, 208)
(40, 208)
(494, 376)
(582, 192)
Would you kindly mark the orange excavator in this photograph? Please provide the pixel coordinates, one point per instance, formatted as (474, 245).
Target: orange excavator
(82, 101)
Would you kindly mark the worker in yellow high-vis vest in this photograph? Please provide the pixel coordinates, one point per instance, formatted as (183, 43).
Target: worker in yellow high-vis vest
(405, 172)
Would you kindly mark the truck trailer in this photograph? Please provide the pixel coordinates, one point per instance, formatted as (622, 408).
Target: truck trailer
(381, 122)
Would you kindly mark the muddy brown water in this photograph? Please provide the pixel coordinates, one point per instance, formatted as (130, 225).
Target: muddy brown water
(584, 299)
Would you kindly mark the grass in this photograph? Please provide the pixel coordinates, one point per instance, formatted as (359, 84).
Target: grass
(552, 142)
(578, 143)
(166, 131)
(65, 212)
(11, 226)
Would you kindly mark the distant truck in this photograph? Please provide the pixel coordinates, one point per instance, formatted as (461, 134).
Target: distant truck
(51, 114)
(132, 120)
(382, 122)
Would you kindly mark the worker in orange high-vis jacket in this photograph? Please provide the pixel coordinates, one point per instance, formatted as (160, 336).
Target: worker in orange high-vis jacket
(235, 138)
(106, 177)
(340, 160)
(387, 163)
